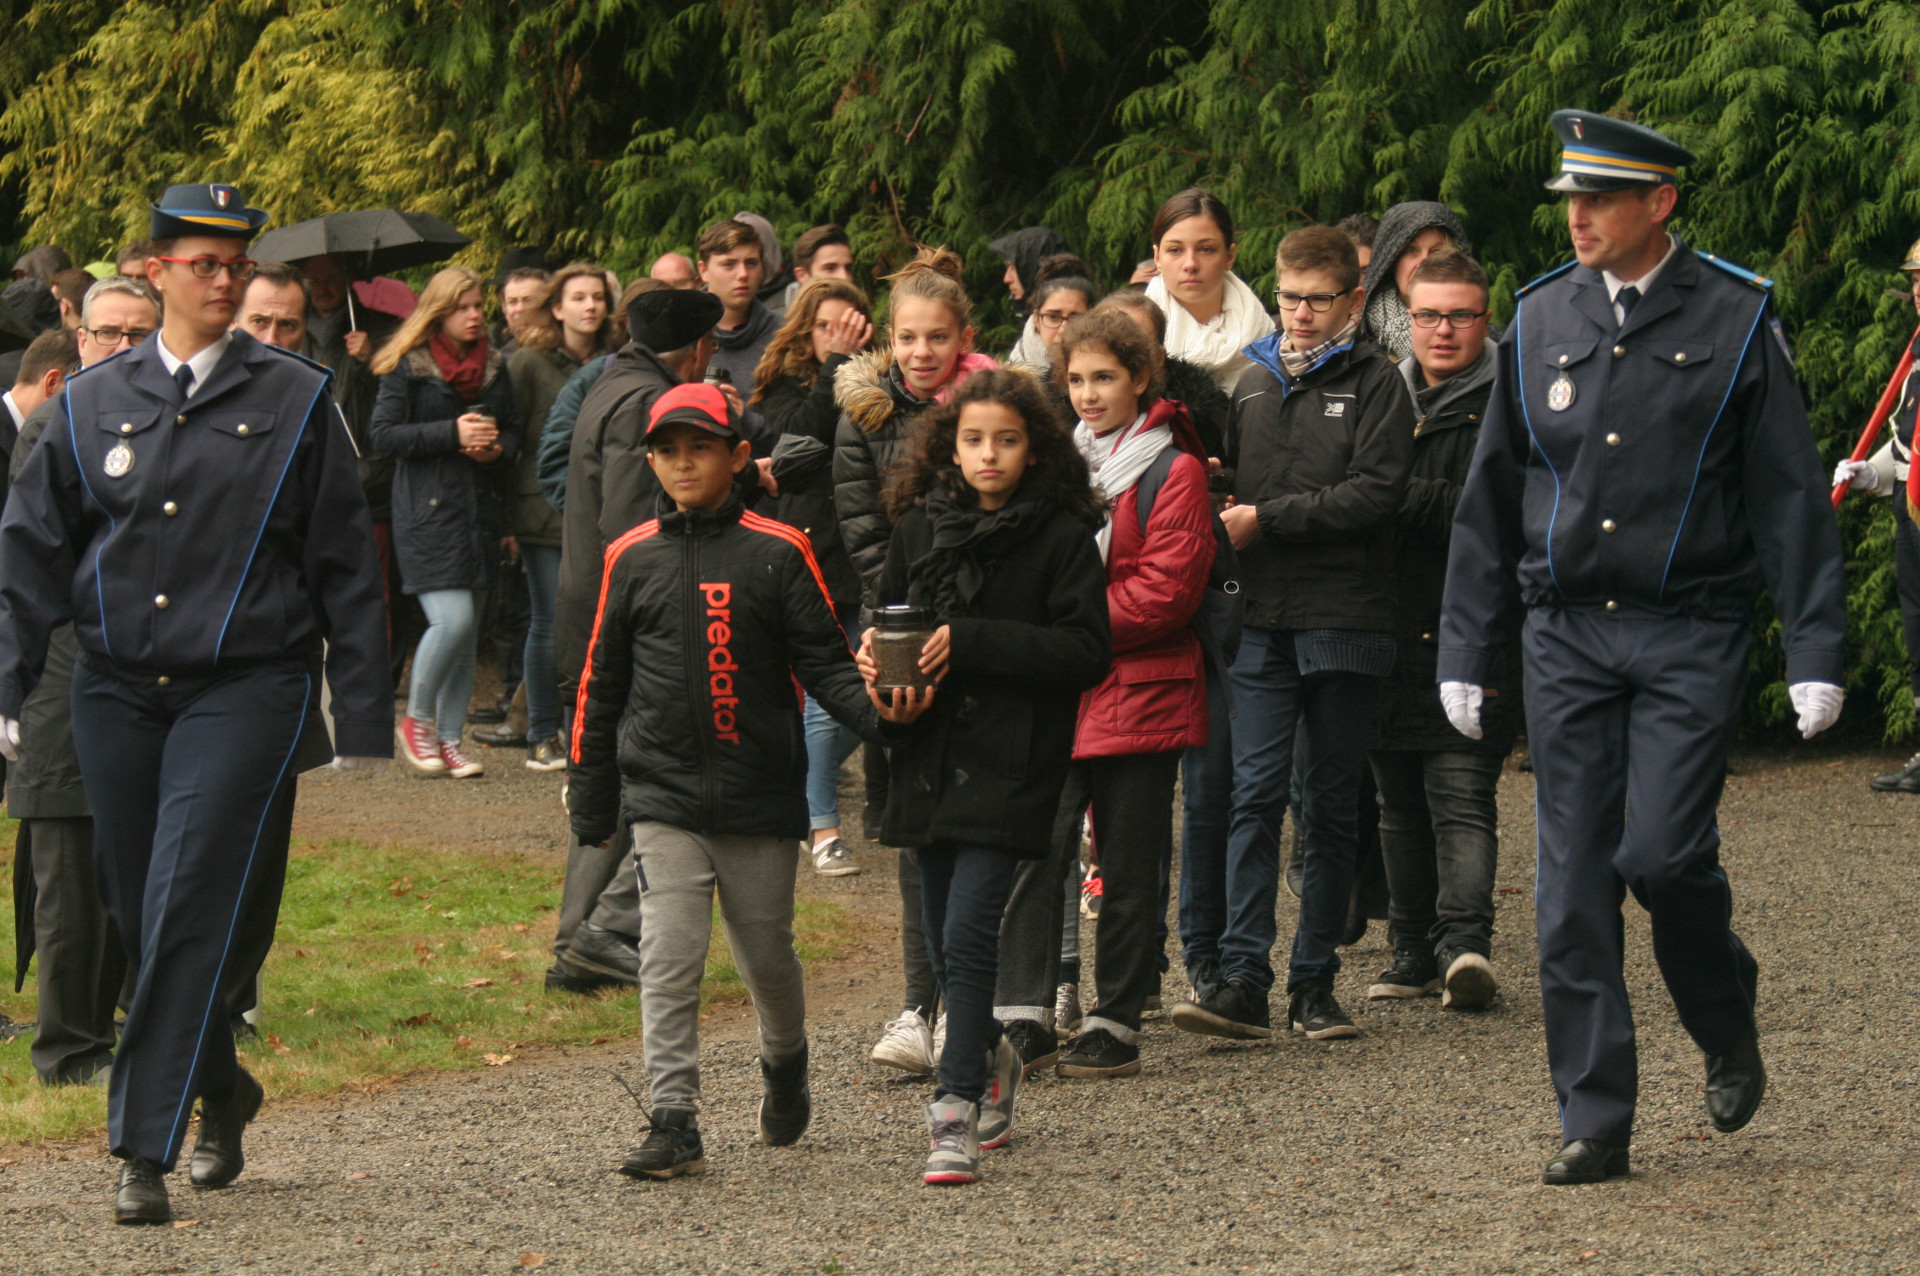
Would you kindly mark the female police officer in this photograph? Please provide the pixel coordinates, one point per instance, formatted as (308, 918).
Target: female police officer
(196, 511)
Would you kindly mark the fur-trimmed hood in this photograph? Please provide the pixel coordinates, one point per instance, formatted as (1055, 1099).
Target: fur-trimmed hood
(869, 391)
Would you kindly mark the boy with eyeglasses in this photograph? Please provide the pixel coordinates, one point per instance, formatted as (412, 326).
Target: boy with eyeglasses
(1438, 820)
(1318, 444)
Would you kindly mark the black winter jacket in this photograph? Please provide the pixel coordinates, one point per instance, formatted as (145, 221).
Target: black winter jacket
(449, 511)
(705, 622)
(876, 423)
(1410, 716)
(985, 765)
(1324, 461)
(796, 410)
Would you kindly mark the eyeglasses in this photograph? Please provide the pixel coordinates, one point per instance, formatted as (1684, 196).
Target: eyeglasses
(114, 336)
(239, 269)
(1053, 318)
(1318, 302)
(1454, 318)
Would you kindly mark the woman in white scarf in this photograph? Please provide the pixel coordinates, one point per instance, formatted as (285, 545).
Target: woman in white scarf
(1062, 294)
(1212, 315)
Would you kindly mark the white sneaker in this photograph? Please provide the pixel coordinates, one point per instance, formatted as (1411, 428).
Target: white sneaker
(832, 858)
(907, 1045)
(996, 1105)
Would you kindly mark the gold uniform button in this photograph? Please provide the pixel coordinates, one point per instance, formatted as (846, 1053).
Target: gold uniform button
(1613, 440)
(160, 601)
(126, 427)
(181, 419)
(1680, 356)
(169, 509)
(1563, 358)
(164, 681)
(240, 429)
(1612, 605)
(1606, 524)
(1618, 351)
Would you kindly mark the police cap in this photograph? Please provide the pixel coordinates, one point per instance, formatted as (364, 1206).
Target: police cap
(212, 209)
(1602, 154)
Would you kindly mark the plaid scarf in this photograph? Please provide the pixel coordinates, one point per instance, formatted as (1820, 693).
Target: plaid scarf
(1300, 362)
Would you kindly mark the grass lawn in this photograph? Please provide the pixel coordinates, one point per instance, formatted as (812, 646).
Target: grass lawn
(389, 961)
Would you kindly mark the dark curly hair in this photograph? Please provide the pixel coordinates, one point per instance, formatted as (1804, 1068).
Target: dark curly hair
(1107, 328)
(1055, 468)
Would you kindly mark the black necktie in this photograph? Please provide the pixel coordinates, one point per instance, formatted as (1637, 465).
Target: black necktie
(183, 377)
(1627, 297)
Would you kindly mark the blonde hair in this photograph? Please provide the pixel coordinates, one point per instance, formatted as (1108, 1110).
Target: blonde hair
(537, 329)
(790, 353)
(437, 300)
(934, 274)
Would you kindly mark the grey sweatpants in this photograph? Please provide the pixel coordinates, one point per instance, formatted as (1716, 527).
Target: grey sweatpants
(679, 872)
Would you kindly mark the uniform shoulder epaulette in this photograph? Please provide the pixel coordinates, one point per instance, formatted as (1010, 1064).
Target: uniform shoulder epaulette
(1553, 274)
(315, 364)
(1738, 272)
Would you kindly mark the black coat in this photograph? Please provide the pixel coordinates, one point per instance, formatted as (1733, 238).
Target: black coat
(795, 410)
(448, 510)
(1661, 467)
(45, 783)
(1410, 715)
(985, 765)
(1324, 462)
(704, 625)
(876, 424)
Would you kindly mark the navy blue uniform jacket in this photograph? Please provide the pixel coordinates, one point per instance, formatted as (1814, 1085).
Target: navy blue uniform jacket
(1679, 479)
(239, 533)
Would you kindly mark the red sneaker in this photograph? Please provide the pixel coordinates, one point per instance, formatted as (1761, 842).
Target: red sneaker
(418, 747)
(458, 764)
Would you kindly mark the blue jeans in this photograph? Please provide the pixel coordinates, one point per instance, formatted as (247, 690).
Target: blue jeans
(963, 891)
(1206, 794)
(443, 663)
(829, 744)
(1333, 713)
(542, 563)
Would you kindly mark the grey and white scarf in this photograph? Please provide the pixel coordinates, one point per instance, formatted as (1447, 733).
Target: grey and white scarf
(1117, 459)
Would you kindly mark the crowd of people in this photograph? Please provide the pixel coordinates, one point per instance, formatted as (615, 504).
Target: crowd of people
(731, 523)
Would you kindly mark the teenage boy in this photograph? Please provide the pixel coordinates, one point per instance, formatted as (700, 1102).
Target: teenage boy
(1438, 820)
(1321, 431)
(732, 269)
(689, 731)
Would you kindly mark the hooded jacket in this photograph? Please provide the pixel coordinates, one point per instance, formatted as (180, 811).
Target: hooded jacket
(1385, 322)
(741, 348)
(687, 713)
(1024, 248)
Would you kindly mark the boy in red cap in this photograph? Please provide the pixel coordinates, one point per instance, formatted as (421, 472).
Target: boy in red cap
(688, 728)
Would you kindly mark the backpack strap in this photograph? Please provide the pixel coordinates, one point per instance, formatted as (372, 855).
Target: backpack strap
(1151, 482)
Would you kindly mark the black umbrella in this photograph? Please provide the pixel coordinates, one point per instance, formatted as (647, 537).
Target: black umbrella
(371, 241)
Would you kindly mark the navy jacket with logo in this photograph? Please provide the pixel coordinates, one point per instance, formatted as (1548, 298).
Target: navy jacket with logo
(1663, 467)
(688, 711)
(187, 537)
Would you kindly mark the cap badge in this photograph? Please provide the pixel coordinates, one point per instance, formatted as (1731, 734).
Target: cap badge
(1560, 393)
(222, 196)
(1579, 130)
(119, 460)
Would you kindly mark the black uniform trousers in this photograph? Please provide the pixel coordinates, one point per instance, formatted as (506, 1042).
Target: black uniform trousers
(1630, 721)
(81, 958)
(192, 780)
(1906, 579)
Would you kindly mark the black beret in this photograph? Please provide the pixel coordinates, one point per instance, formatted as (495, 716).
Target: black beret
(672, 318)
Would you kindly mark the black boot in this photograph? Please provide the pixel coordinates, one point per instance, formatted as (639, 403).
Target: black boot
(787, 1107)
(1585, 1161)
(1905, 780)
(142, 1195)
(217, 1159)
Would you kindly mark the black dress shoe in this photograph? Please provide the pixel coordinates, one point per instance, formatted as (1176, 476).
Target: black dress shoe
(564, 976)
(1736, 1082)
(605, 953)
(1905, 780)
(501, 737)
(1585, 1161)
(142, 1195)
(217, 1159)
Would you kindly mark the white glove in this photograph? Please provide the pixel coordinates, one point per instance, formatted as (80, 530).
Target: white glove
(1858, 475)
(1462, 702)
(1818, 704)
(10, 739)
(360, 764)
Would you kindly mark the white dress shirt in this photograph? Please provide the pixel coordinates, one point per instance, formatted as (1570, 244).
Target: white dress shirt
(19, 417)
(1615, 283)
(202, 363)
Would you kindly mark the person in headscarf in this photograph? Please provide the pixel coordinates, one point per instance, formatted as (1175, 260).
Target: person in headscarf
(1408, 234)
(1022, 251)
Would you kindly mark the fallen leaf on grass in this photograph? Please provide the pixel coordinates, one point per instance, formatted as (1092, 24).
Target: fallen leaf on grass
(531, 1259)
(279, 1046)
(400, 886)
(185, 1222)
(415, 1021)
(465, 1043)
(479, 983)
(600, 1041)
(303, 952)
(521, 927)
(508, 954)
(498, 1060)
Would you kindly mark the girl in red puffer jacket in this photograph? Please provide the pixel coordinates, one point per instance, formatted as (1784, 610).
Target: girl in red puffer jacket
(1134, 726)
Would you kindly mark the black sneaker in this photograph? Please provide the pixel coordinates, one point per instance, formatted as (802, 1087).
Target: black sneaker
(501, 737)
(1097, 1055)
(605, 953)
(1415, 973)
(787, 1107)
(1037, 1045)
(1204, 977)
(1236, 1009)
(672, 1147)
(1313, 1010)
(1905, 780)
(564, 976)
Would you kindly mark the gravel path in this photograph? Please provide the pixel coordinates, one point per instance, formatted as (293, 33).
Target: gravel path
(1415, 1148)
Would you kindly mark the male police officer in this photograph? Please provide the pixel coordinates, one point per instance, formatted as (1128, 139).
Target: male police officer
(1645, 466)
(195, 510)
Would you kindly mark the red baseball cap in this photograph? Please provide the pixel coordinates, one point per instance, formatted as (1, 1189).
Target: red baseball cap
(697, 404)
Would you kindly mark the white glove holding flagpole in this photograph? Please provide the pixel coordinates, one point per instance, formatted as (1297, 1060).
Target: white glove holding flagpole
(1462, 702)
(1861, 476)
(1818, 704)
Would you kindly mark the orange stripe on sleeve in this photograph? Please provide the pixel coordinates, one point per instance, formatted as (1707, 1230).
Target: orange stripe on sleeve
(614, 551)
